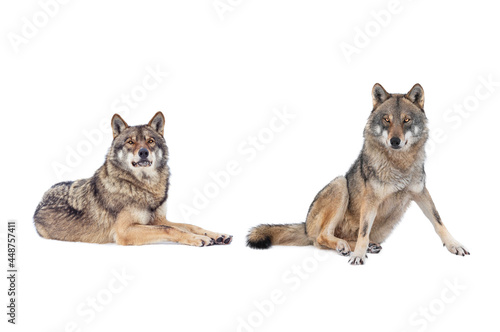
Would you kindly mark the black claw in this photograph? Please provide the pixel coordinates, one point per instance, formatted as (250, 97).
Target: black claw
(202, 243)
(228, 240)
(220, 239)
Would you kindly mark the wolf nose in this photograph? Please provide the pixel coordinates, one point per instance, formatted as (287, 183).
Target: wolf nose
(395, 141)
(143, 153)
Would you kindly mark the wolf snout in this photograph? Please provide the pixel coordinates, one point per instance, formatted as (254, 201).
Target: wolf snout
(395, 142)
(143, 153)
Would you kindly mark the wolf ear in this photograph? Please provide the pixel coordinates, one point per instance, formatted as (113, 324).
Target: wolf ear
(379, 95)
(416, 95)
(158, 123)
(118, 125)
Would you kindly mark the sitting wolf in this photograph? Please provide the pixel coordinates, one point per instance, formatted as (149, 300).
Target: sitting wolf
(359, 210)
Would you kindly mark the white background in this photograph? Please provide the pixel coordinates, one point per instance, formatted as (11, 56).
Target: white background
(226, 75)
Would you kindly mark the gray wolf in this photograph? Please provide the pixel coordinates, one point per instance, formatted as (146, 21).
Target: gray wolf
(125, 200)
(359, 210)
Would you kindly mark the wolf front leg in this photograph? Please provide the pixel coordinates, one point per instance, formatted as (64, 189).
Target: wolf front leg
(368, 214)
(424, 201)
(218, 238)
(129, 232)
(145, 234)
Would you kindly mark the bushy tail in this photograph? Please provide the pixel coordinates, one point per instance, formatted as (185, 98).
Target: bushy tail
(264, 236)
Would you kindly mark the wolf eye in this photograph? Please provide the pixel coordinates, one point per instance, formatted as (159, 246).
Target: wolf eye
(130, 142)
(151, 141)
(407, 120)
(387, 120)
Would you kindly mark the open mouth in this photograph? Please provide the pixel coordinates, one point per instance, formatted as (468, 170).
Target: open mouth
(141, 163)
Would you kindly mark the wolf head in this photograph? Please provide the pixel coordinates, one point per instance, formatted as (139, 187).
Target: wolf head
(140, 150)
(397, 121)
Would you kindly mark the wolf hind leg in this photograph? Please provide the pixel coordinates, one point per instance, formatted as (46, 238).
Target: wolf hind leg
(40, 229)
(326, 212)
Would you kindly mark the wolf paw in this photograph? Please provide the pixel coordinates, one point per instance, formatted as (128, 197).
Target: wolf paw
(374, 248)
(224, 239)
(204, 241)
(357, 260)
(343, 248)
(456, 248)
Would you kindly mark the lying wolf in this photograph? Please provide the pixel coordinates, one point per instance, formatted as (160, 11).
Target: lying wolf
(125, 201)
(359, 210)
